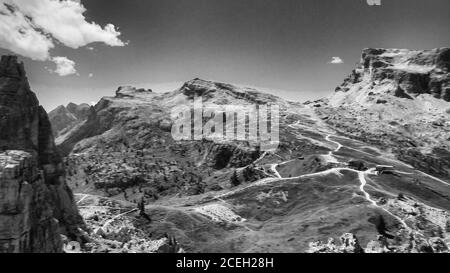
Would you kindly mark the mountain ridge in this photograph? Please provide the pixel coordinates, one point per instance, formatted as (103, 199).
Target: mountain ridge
(353, 164)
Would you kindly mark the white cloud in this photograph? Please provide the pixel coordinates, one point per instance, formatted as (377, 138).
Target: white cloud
(64, 66)
(91, 75)
(65, 21)
(31, 27)
(18, 34)
(336, 60)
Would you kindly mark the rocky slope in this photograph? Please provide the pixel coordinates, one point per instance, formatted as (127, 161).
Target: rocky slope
(36, 203)
(399, 99)
(127, 143)
(216, 195)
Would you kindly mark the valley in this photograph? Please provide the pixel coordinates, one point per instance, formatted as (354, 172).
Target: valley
(363, 170)
(308, 190)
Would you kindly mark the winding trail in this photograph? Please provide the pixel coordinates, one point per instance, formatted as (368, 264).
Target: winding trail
(336, 171)
(362, 179)
(273, 168)
(339, 145)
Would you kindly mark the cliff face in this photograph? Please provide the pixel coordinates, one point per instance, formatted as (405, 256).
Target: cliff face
(410, 73)
(32, 183)
(26, 217)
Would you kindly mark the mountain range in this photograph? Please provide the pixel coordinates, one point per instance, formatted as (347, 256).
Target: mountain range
(367, 166)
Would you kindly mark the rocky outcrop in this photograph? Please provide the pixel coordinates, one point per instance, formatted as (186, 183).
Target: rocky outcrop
(349, 244)
(411, 72)
(24, 126)
(223, 93)
(130, 91)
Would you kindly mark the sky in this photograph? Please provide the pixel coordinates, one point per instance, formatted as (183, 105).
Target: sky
(79, 51)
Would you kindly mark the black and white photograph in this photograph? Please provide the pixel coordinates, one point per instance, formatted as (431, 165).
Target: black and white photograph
(242, 128)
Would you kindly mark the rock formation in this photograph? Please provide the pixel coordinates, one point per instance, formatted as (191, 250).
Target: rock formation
(349, 244)
(411, 73)
(36, 203)
(130, 91)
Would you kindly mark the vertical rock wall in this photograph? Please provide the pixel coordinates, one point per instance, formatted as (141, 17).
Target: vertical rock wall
(35, 202)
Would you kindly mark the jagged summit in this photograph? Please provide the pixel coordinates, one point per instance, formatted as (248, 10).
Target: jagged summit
(63, 118)
(145, 105)
(78, 109)
(73, 108)
(18, 105)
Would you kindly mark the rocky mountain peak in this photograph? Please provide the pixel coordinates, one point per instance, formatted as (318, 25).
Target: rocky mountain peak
(78, 109)
(10, 67)
(200, 87)
(224, 93)
(63, 118)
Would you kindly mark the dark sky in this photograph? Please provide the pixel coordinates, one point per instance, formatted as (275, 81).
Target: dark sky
(277, 44)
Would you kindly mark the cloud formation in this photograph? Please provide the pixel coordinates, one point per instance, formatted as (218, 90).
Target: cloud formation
(31, 27)
(64, 66)
(336, 60)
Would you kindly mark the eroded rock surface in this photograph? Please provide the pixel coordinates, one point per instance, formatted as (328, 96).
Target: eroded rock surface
(37, 201)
